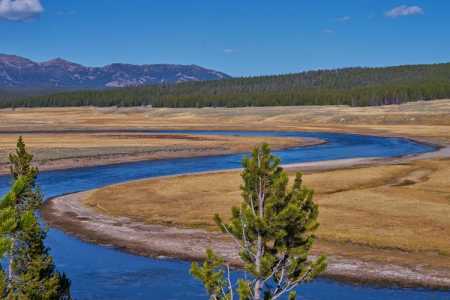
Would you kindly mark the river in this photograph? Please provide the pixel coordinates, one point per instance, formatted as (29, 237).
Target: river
(101, 272)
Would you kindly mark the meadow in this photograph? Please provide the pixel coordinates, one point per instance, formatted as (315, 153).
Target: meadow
(402, 209)
(62, 150)
(396, 211)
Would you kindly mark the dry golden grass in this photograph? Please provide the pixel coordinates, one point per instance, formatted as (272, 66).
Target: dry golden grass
(48, 142)
(404, 207)
(58, 150)
(340, 193)
(426, 119)
(429, 121)
(397, 217)
(185, 200)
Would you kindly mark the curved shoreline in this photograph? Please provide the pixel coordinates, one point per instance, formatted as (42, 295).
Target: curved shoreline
(120, 158)
(159, 241)
(69, 214)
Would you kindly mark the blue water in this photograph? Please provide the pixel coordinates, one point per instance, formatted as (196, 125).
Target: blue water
(99, 272)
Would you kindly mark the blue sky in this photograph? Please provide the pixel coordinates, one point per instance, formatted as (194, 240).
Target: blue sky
(246, 37)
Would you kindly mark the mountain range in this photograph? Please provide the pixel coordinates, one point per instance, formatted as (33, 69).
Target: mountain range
(58, 74)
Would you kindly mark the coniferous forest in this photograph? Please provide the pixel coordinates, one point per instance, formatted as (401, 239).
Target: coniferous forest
(350, 86)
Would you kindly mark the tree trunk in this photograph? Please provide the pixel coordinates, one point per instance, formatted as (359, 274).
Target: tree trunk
(10, 271)
(259, 245)
(10, 262)
(258, 283)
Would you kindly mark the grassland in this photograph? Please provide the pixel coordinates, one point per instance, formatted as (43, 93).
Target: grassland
(59, 150)
(428, 121)
(397, 213)
(422, 120)
(417, 114)
(403, 207)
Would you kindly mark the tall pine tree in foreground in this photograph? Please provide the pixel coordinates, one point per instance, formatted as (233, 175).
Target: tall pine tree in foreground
(30, 270)
(274, 227)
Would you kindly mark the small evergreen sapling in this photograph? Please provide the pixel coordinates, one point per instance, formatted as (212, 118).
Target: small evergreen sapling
(274, 228)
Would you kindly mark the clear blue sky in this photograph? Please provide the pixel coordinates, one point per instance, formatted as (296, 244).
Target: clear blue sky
(246, 37)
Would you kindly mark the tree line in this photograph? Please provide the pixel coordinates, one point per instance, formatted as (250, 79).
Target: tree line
(351, 86)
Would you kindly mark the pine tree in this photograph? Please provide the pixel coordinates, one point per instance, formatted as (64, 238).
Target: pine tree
(212, 275)
(274, 227)
(31, 270)
(20, 161)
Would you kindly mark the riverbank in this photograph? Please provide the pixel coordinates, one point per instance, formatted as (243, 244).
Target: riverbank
(427, 122)
(349, 260)
(70, 137)
(65, 149)
(69, 214)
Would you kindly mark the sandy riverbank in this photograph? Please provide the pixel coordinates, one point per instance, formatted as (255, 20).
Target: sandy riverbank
(65, 149)
(71, 214)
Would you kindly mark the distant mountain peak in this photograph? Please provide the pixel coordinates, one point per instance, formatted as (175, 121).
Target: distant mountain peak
(15, 61)
(18, 72)
(58, 61)
(62, 64)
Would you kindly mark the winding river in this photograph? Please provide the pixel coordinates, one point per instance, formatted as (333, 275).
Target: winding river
(101, 272)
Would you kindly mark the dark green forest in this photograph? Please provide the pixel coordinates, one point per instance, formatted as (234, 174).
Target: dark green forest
(350, 86)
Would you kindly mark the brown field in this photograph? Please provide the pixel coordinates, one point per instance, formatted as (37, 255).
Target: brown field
(401, 208)
(429, 119)
(397, 212)
(81, 136)
(65, 150)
